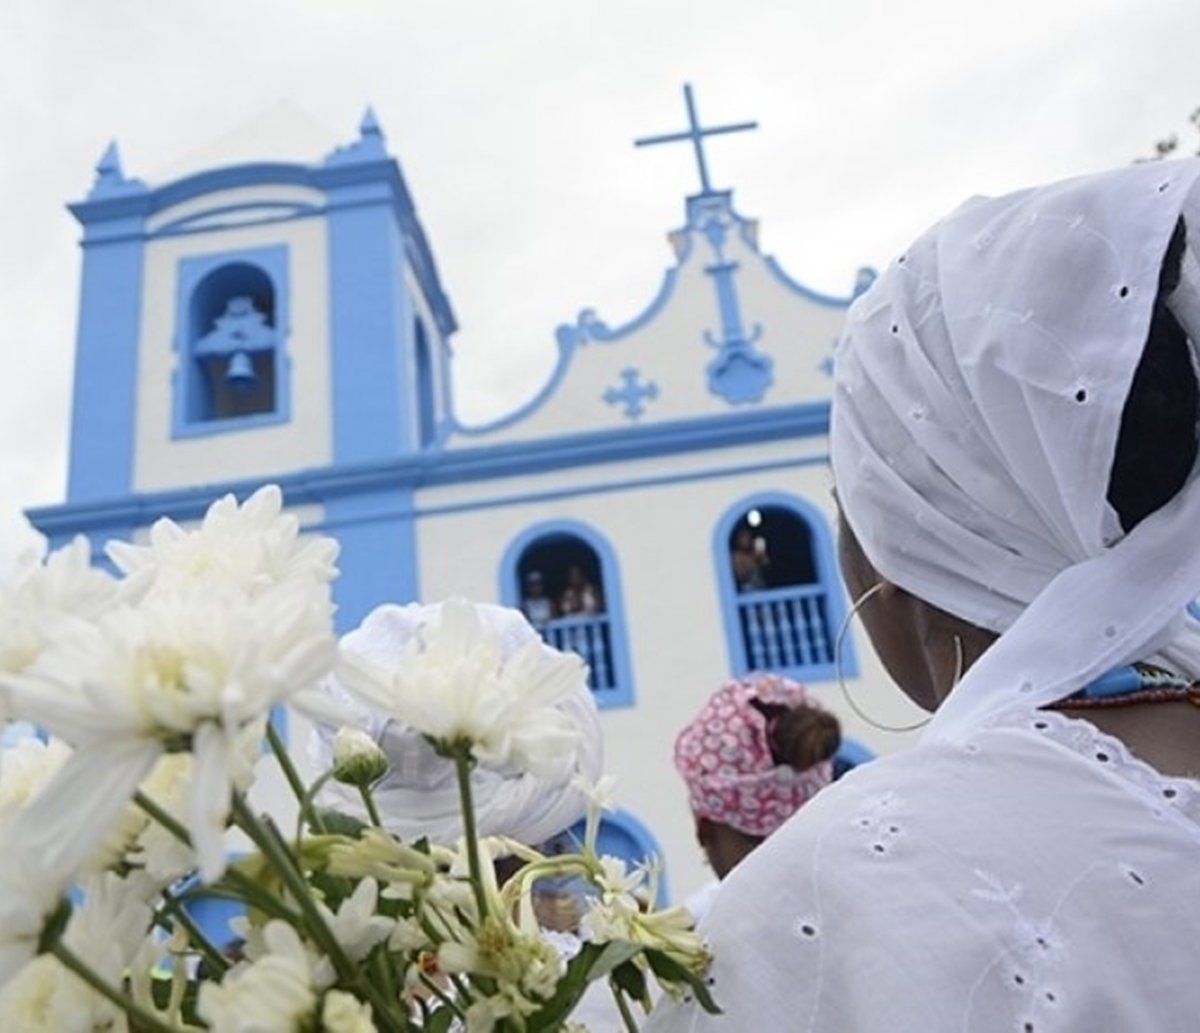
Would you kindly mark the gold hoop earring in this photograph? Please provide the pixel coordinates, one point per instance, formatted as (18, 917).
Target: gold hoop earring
(837, 664)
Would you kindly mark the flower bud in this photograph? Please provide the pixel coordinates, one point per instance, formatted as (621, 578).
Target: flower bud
(357, 758)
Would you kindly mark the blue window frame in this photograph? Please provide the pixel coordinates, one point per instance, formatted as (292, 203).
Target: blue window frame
(231, 329)
(563, 575)
(781, 594)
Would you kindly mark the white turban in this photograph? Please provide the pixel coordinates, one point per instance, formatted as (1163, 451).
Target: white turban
(419, 794)
(980, 388)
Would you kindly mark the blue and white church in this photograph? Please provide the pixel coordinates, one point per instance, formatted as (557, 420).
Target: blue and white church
(661, 504)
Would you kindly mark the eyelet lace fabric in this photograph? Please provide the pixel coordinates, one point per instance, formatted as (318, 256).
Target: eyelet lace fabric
(1077, 734)
(1033, 875)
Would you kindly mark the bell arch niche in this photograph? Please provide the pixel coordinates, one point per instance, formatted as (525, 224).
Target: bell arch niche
(231, 325)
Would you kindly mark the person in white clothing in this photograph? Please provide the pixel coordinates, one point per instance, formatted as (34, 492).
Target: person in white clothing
(1014, 442)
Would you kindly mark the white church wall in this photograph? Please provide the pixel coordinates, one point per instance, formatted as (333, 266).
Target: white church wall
(662, 535)
(163, 460)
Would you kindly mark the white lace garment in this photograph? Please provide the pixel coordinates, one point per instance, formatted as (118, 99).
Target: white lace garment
(904, 898)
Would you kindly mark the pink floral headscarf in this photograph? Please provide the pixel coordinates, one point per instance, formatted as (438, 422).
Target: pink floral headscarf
(724, 756)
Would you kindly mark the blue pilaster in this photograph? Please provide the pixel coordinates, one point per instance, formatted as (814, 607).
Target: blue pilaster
(106, 369)
(378, 559)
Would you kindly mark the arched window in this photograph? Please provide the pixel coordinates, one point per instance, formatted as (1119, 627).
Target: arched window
(231, 327)
(781, 593)
(426, 408)
(564, 577)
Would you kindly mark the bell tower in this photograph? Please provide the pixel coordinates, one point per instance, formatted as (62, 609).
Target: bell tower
(255, 321)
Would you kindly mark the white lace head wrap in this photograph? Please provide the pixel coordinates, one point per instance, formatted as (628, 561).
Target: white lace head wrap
(980, 386)
(419, 794)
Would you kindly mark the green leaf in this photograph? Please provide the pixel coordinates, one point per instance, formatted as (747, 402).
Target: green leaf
(614, 954)
(567, 993)
(631, 980)
(671, 971)
(337, 823)
(439, 1020)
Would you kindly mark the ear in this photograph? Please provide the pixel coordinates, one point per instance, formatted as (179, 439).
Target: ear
(704, 831)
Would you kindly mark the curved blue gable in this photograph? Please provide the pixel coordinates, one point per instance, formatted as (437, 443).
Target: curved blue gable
(739, 373)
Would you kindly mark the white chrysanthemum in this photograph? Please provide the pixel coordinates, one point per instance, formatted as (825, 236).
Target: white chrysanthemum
(25, 768)
(195, 671)
(29, 893)
(254, 546)
(39, 596)
(453, 683)
(273, 994)
(344, 1013)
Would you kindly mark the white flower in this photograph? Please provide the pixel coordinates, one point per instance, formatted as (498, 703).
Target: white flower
(29, 893)
(24, 770)
(39, 597)
(254, 546)
(356, 926)
(200, 671)
(343, 1013)
(453, 682)
(273, 994)
(357, 758)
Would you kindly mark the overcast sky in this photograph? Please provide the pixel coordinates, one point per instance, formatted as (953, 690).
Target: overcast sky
(514, 123)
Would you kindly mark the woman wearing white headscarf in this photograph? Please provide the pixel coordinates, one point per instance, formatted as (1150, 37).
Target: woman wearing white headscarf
(1014, 437)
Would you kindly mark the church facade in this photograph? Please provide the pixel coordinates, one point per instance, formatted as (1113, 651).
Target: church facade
(661, 505)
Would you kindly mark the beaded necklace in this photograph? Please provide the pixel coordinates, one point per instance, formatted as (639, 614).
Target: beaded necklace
(1130, 685)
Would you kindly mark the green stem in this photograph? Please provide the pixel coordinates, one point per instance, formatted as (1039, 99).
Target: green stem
(369, 802)
(142, 1018)
(442, 996)
(279, 748)
(627, 1018)
(216, 960)
(462, 767)
(162, 817)
(308, 802)
(252, 893)
(276, 853)
(274, 848)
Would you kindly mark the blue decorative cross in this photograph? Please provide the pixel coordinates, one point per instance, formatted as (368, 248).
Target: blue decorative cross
(631, 393)
(696, 134)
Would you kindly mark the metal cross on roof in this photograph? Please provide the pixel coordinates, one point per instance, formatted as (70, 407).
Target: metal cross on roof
(696, 134)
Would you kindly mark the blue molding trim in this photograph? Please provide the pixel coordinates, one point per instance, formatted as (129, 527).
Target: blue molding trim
(267, 212)
(865, 274)
(588, 327)
(449, 467)
(104, 215)
(104, 404)
(636, 833)
(272, 261)
(622, 695)
(828, 575)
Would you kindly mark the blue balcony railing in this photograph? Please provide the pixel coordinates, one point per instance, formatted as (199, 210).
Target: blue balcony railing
(786, 628)
(589, 635)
